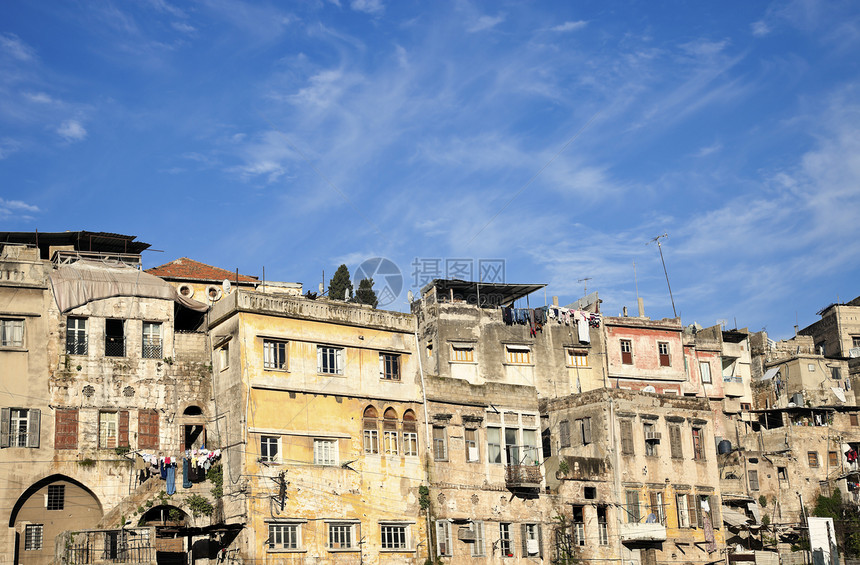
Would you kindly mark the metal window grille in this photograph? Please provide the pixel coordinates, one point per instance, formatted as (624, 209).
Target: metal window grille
(152, 348)
(114, 346)
(33, 537)
(394, 537)
(56, 497)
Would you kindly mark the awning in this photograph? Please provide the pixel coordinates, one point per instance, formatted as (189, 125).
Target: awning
(517, 347)
(87, 280)
(734, 518)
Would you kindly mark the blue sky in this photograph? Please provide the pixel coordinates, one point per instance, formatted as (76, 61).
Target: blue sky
(557, 136)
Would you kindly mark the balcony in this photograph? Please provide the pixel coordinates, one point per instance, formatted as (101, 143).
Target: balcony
(643, 531)
(523, 476)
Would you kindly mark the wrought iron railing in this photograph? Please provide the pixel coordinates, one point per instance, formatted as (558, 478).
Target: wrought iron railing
(522, 475)
(152, 350)
(114, 346)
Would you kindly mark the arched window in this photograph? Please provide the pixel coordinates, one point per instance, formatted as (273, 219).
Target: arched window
(193, 411)
(410, 434)
(371, 430)
(389, 433)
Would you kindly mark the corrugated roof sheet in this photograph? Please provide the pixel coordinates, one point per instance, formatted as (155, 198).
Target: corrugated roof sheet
(189, 269)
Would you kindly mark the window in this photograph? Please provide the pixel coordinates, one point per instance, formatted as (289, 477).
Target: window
(114, 338)
(113, 429)
(683, 513)
(855, 341)
(371, 430)
(494, 445)
(663, 351)
(444, 544)
(578, 526)
(224, 357)
(506, 540)
(810, 367)
(325, 452)
(152, 348)
(812, 458)
(564, 433)
(853, 420)
(531, 539)
(329, 360)
(56, 497)
(76, 336)
(472, 452)
(462, 353)
(602, 526)
(518, 354)
(390, 443)
(752, 475)
(11, 333)
(782, 474)
(410, 434)
(66, 428)
(33, 537)
(633, 514)
(835, 373)
(440, 443)
(285, 536)
(341, 536)
(583, 430)
(477, 549)
(626, 352)
(577, 358)
(705, 371)
(675, 442)
(394, 536)
(147, 429)
(650, 443)
(274, 355)
(270, 447)
(698, 444)
(19, 427)
(389, 367)
(833, 459)
(655, 498)
(626, 437)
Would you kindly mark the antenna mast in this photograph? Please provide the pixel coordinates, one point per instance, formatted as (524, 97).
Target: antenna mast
(584, 285)
(660, 248)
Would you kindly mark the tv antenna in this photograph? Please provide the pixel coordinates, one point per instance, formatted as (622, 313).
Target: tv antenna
(660, 248)
(584, 285)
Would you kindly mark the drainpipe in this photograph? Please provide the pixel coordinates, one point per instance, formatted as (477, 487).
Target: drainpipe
(418, 354)
(617, 477)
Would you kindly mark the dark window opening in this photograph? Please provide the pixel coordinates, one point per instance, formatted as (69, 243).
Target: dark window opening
(114, 338)
(193, 436)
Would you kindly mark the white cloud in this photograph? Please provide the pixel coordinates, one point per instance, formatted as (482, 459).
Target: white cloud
(39, 97)
(760, 28)
(570, 26)
(486, 22)
(10, 208)
(12, 44)
(368, 6)
(72, 130)
(8, 146)
(704, 48)
(183, 27)
(713, 148)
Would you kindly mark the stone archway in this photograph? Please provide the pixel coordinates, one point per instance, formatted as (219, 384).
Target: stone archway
(49, 506)
(171, 539)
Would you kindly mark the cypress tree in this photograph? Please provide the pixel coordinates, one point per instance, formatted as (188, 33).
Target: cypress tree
(340, 285)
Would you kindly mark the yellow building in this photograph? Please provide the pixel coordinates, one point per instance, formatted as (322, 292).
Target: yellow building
(318, 409)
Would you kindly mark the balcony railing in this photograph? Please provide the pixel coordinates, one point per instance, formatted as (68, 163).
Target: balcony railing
(115, 346)
(643, 531)
(76, 345)
(152, 350)
(523, 476)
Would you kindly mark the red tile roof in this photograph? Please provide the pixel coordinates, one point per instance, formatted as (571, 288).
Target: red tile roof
(185, 268)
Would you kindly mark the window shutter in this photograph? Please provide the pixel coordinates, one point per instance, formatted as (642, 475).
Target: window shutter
(122, 434)
(626, 437)
(586, 430)
(699, 513)
(66, 428)
(714, 503)
(147, 429)
(675, 442)
(524, 536)
(381, 366)
(34, 418)
(691, 510)
(5, 417)
(319, 359)
(339, 366)
(655, 505)
(540, 540)
(681, 507)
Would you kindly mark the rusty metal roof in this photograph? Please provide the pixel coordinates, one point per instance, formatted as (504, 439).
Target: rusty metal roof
(101, 242)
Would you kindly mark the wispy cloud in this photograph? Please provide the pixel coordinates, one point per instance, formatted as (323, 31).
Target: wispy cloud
(8, 146)
(12, 45)
(72, 130)
(17, 208)
(713, 148)
(485, 22)
(368, 6)
(760, 28)
(570, 26)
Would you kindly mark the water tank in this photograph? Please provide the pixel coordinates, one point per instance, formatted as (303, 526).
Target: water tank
(797, 398)
(724, 447)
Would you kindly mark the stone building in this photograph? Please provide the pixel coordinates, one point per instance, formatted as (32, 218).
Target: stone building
(319, 412)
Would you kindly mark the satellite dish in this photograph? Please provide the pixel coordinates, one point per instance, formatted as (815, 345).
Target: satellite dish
(649, 388)
(410, 296)
(226, 286)
(321, 288)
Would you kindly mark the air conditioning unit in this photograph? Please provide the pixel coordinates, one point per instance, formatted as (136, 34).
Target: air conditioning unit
(466, 533)
(653, 436)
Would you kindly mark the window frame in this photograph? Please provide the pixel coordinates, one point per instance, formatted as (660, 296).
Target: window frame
(370, 431)
(665, 358)
(342, 527)
(698, 435)
(812, 459)
(478, 548)
(296, 535)
(389, 366)
(633, 506)
(77, 336)
(531, 531)
(440, 443)
(56, 497)
(155, 351)
(330, 359)
(652, 448)
(276, 355)
(399, 530)
(9, 327)
(473, 449)
(444, 541)
(626, 346)
(516, 354)
(506, 540)
(34, 535)
(564, 434)
(266, 443)
(326, 452)
(462, 353)
(576, 358)
(705, 375)
(117, 343)
(410, 434)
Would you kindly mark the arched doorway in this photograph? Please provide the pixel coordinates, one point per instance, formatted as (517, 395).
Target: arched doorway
(52, 505)
(171, 538)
